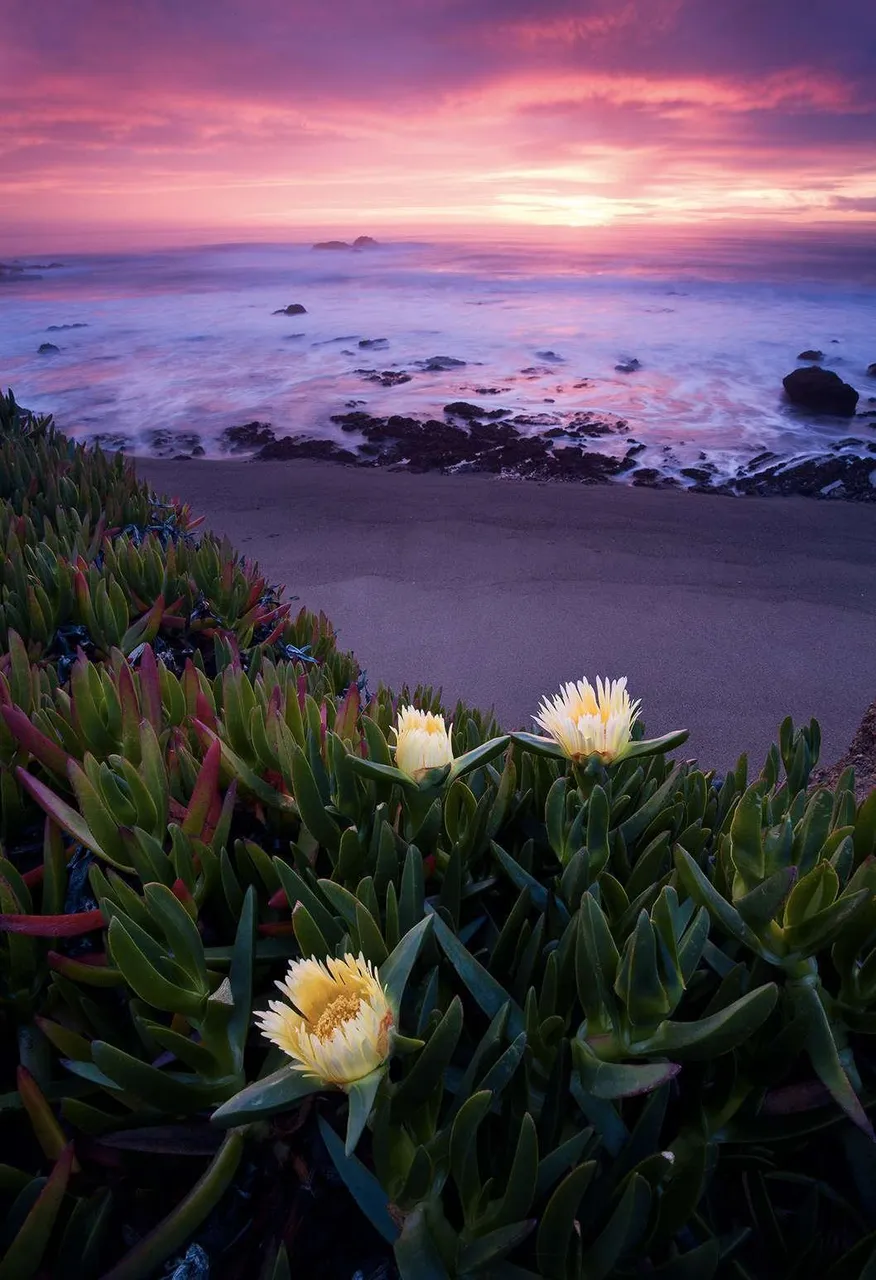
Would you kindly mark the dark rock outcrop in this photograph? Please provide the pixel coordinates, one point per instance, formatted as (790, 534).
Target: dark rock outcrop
(491, 446)
(59, 328)
(164, 443)
(871, 370)
(364, 242)
(305, 447)
(386, 378)
(829, 476)
(47, 349)
(462, 409)
(440, 364)
(821, 391)
(374, 344)
(293, 309)
(251, 435)
(551, 357)
(811, 355)
(628, 366)
(332, 244)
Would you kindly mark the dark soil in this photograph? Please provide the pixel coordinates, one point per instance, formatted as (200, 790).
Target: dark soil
(861, 755)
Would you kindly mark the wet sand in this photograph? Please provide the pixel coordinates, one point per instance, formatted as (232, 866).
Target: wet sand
(725, 614)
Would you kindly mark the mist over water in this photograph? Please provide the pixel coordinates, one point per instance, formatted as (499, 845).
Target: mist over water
(184, 342)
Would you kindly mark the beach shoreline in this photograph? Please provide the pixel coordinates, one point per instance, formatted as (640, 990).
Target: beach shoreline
(725, 616)
(517, 361)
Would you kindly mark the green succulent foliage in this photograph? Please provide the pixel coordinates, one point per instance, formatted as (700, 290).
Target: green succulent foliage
(634, 1004)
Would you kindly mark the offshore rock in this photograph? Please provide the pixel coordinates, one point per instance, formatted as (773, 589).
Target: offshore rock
(293, 309)
(811, 355)
(440, 364)
(47, 349)
(821, 391)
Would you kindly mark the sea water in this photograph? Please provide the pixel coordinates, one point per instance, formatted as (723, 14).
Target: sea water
(160, 352)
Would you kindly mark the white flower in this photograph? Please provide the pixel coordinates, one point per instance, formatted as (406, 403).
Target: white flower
(338, 1024)
(590, 722)
(422, 742)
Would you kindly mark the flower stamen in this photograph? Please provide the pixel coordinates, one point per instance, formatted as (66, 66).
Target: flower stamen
(342, 1009)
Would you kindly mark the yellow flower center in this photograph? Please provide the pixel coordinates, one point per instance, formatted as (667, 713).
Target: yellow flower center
(336, 1013)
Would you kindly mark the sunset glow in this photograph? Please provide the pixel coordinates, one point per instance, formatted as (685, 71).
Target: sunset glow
(249, 120)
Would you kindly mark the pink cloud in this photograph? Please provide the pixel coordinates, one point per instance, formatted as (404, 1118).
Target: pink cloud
(284, 112)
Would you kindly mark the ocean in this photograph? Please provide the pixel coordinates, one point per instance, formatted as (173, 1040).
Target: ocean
(161, 352)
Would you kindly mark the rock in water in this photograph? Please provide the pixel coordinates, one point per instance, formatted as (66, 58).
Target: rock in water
(332, 244)
(364, 242)
(48, 349)
(251, 435)
(822, 391)
(871, 370)
(811, 355)
(440, 364)
(628, 366)
(293, 309)
(462, 409)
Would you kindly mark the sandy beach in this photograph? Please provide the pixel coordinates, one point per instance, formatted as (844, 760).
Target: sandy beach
(725, 614)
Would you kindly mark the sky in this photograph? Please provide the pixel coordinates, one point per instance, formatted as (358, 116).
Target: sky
(139, 119)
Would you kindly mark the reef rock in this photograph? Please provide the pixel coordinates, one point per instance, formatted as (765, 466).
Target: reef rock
(811, 355)
(628, 366)
(48, 349)
(364, 242)
(822, 391)
(294, 309)
(332, 244)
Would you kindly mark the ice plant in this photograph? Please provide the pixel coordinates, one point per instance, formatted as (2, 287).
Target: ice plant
(422, 742)
(590, 722)
(338, 1023)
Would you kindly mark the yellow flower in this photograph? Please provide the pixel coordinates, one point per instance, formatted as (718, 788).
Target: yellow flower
(590, 722)
(422, 742)
(338, 1024)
